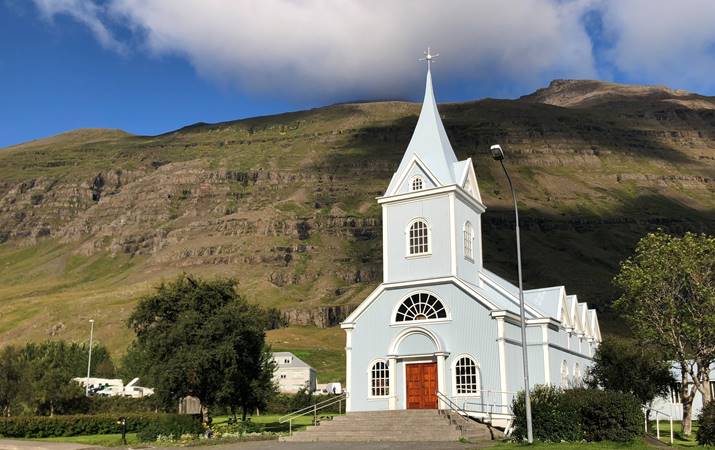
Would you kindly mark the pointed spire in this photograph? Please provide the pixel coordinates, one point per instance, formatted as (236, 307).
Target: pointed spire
(429, 141)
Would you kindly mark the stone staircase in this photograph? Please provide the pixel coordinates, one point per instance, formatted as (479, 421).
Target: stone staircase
(396, 426)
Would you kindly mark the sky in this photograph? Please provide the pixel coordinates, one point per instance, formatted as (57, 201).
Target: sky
(151, 66)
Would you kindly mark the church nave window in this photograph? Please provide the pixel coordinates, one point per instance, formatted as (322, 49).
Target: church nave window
(468, 241)
(564, 374)
(466, 376)
(379, 379)
(417, 184)
(418, 238)
(422, 306)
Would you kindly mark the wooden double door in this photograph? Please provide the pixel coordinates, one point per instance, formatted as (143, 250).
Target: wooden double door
(421, 385)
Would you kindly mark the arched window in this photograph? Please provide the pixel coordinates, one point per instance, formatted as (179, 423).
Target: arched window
(418, 238)
(417, 183)
(379, 379)
(564, 374)
(468, 241)
(421, 306)
(577, 375)
(466, 376)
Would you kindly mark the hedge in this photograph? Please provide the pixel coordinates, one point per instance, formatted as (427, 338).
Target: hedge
(706, 425)
(579, 414)
(76, 425)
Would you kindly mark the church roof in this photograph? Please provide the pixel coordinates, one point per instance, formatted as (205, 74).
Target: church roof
(430, 145)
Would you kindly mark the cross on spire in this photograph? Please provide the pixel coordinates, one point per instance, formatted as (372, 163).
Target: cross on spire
(429, 57)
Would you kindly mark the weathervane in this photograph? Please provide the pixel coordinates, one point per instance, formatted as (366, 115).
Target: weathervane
(429, 57)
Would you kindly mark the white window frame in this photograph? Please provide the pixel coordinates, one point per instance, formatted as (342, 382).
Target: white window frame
(415, 179)
(407, 238)
(455, 384)
(393, 318)
(468, 244)
(577, 375)
(370, 379)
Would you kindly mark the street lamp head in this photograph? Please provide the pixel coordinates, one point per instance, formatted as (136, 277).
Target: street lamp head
(91, 320)
(497, 152)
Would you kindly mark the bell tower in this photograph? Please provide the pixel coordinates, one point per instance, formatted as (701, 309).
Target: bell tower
(431, 210)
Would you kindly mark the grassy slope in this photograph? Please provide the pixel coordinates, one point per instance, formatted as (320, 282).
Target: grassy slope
(591, 181)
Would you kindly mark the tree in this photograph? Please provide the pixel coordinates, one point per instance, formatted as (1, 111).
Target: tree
(669, 299)
(11, 374)
(621, 366)
(202, 339)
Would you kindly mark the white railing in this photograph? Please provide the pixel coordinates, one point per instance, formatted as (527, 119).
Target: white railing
(491, 402)
(313, 409)
(658, 413)
(446, 405)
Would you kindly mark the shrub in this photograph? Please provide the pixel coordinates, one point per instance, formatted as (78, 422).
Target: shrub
(605, 415)
(551, 421)
(76, 425)
(103, 405)
(706, 423)
(579, 414)
(170, 424)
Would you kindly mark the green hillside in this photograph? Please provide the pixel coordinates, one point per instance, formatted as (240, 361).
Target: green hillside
(91, 219)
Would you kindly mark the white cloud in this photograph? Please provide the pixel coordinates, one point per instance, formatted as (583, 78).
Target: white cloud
(324, 49)
(328, 50)
(87, 12)
(668, 42)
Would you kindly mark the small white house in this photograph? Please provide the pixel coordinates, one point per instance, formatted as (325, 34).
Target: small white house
(292, 374)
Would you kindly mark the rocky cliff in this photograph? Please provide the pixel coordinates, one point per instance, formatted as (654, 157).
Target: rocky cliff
(91, 219)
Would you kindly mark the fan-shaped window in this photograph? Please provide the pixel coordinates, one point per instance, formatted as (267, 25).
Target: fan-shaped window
(418, 238)
(466, 376)
(379, 379)
(422, 306)
(417, 184)
(468, 241)
(564, 374)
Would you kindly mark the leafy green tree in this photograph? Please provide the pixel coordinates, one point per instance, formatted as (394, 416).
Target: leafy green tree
(202, 339)
(623, 366)
(11, 376)
(669, 298)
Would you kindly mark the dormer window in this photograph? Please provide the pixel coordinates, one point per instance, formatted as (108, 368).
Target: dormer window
(417, 183)
(418, 238)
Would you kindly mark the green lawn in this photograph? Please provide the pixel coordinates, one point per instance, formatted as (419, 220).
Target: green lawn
(104, 440)
(678, 439)
(636, 445)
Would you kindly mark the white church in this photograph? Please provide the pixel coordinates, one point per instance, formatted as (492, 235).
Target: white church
(441, 322)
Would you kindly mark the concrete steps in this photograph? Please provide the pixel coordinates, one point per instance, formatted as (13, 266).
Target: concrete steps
(393, 426)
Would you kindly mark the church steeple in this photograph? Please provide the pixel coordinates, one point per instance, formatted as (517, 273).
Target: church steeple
(429, 145)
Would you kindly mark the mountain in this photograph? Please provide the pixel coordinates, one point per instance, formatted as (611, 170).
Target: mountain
(92, 219)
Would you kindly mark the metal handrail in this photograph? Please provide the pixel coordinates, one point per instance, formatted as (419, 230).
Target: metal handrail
(452, 406)
(646, 410)
(489, 400)
(314, 408)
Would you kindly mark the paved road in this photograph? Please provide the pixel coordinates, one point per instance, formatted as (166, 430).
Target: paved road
(10, 444)
(275, 445)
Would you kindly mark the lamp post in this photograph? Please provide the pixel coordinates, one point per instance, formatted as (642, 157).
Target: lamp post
(498, 155)
(89, 359)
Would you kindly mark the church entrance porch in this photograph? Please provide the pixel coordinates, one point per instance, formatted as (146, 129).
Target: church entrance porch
(421, 385)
